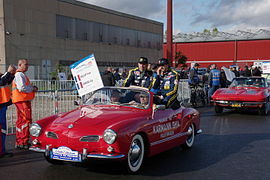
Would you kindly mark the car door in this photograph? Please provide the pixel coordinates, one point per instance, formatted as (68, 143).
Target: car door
(163, 129)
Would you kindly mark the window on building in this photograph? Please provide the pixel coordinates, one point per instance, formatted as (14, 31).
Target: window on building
(82, 29)
(139, 43)
(74, 28)
(127, 41)
(64, 27)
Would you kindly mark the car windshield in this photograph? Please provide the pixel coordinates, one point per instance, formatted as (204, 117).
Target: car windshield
(248, 82)
(120, 96)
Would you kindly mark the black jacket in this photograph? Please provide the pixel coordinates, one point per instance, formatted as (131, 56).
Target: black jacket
(6, 79)
(108, 78)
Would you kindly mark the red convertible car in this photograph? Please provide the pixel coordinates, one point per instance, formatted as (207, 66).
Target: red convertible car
(244, 92)
(115, 123)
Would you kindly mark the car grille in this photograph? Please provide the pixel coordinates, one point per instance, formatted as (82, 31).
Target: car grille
(92, 138)
(51, 135)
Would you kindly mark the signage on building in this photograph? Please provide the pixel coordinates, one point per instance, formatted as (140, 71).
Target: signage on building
(86, 75)
(266, 67)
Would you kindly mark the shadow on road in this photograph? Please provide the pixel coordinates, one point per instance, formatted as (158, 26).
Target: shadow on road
(207, 151)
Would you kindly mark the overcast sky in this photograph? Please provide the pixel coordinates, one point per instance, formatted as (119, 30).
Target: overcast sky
(196, 15)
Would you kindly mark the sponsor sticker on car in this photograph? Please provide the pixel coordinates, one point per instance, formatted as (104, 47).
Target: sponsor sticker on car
(66, 154)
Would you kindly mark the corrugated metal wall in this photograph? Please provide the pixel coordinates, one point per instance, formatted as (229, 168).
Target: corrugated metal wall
(224, 53)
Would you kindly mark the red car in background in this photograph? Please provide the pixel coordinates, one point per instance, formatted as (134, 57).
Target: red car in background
(244, 93)
(115, 123)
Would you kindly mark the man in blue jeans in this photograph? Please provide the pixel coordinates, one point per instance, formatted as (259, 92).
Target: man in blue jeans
(214, 81)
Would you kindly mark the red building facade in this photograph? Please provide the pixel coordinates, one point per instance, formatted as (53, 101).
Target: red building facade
(224, 53)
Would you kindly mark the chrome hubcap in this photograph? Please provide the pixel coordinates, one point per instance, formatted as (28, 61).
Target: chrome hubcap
(190, 137)
(135, 153)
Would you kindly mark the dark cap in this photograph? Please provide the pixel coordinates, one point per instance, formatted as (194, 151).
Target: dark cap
(143, 60)
(196, 64)
(163, 61)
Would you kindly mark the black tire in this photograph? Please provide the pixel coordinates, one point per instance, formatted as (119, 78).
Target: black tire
(218, 109)
(190, 138)
(53, 161)
(265, 109)
(135, 155)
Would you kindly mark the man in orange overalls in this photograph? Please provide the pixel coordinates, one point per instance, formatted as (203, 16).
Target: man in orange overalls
(22, 94)
(5, 101)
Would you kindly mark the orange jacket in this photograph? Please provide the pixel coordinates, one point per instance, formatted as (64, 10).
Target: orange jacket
(5, 94)
(18, 96)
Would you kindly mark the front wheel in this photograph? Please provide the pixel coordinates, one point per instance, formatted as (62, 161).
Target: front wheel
(265, 109)
(135, 154)
(218, 109)
(190, 139)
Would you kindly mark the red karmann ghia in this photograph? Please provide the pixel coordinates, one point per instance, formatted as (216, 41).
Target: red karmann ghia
(128, 127)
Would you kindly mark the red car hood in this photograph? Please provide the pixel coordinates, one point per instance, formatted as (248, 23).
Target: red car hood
(240, 94)
(94, 119)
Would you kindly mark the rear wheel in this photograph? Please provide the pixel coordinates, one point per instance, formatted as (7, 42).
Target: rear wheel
(218, 109)
(135, 154)
(190, 139)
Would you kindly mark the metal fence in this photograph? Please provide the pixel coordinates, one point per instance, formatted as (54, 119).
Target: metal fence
(58, 96)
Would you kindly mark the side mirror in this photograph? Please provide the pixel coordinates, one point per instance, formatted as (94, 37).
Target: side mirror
(161, 107)
(76, 103)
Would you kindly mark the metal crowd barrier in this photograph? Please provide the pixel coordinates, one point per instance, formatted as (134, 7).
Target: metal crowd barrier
(58, 96)
(46, 103)
(183, 93)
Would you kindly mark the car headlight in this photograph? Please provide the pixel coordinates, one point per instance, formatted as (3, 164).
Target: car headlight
(35, 129)
(109, 136)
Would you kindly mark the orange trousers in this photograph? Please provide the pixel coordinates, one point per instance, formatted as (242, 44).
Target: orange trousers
(24, 120)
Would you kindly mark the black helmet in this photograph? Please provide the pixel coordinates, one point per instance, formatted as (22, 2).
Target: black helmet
(143, 60)
(196, 65)
(163, 61)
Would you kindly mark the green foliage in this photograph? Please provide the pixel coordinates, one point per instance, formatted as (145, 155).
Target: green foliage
(206, 31)
(58, 68)
(180, 58)
(215, 30)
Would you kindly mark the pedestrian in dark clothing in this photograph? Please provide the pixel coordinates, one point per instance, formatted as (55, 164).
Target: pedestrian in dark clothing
(246, 72)
(108, 78)
(223, 79)
(256, 72)
(5, 100)
(237, 74)
(116, 75)
(124, 74)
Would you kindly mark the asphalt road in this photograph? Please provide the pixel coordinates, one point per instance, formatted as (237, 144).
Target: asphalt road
(234, 145)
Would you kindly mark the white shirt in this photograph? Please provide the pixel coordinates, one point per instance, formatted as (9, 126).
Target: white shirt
(20, 81)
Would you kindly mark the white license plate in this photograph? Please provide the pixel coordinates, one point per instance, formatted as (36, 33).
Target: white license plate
(66, 154)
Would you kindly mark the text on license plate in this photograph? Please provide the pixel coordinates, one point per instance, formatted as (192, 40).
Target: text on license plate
(236, 105)
(66, 154)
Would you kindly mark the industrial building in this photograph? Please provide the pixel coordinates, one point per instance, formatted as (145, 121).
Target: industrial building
(51, 32)
(224, 49)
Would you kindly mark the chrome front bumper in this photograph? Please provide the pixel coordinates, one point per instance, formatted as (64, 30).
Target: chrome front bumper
(84, 155)
(236, 104)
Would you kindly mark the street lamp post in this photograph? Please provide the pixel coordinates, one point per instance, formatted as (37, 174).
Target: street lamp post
(169, 32)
